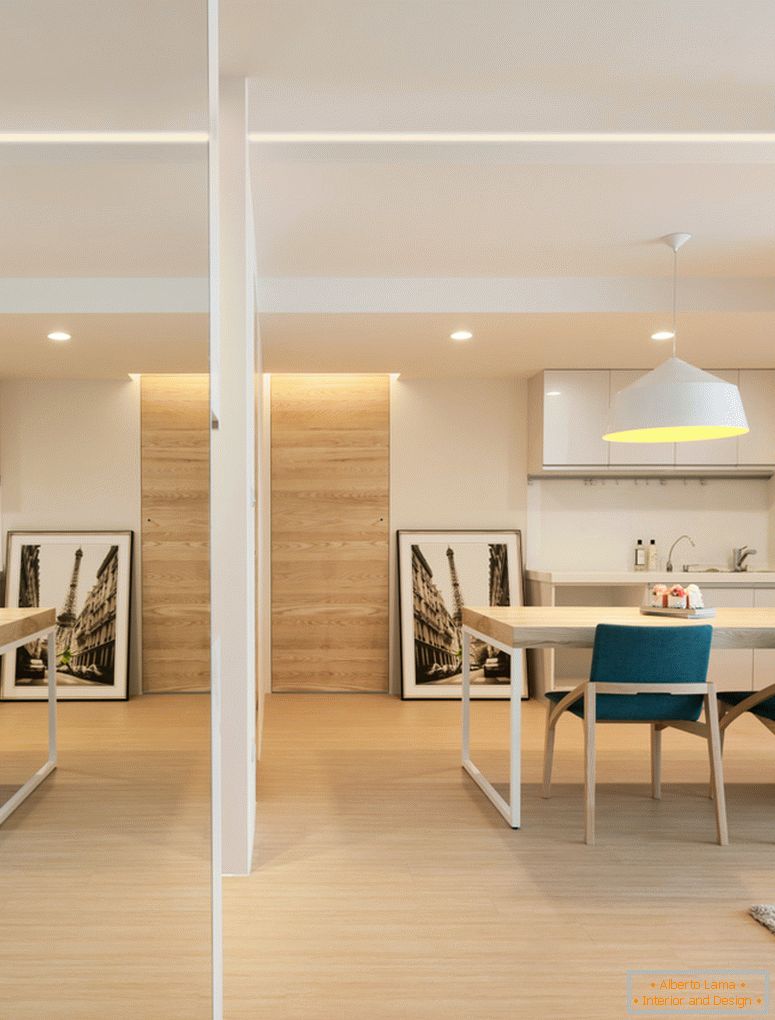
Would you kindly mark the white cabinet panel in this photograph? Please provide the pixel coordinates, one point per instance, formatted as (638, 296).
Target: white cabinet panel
(575, 416)
(757, 388)
(714, 451)
(764, 658)
(569, 412)
(661, 454)
(730, 669)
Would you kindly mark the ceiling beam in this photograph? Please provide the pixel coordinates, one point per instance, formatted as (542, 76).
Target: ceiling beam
(381, 295)
(103, 294)
(509, 295)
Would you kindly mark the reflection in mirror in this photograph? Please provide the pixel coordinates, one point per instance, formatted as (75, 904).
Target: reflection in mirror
(104, 461)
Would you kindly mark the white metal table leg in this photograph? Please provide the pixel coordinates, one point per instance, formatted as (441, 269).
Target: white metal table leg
(37, 778)
(52, 699)
(466, 711)
(515, 742)
(510, 809)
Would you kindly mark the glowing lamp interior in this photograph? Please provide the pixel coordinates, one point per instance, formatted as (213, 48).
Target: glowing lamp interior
(675, 434)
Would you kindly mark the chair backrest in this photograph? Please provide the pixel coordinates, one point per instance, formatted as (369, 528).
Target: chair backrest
(657, 655)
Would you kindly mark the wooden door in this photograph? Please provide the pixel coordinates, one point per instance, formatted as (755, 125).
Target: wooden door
(175, 443)
(330, 438)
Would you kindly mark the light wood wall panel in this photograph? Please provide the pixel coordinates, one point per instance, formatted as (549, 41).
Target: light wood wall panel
(330, 439)
(175, 445)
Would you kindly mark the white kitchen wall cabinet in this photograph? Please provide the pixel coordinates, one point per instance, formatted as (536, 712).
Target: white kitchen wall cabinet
(635, 454)
(569, 411)
(718, 452)
(568, 415)
(757, 388)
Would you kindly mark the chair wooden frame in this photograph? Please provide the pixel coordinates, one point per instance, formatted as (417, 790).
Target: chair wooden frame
(728, 715)
(710, 730)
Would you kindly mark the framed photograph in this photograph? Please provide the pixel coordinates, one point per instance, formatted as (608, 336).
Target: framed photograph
(439, 572)
(86, 576)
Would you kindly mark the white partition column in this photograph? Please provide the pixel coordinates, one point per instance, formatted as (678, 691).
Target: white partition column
(232, 483)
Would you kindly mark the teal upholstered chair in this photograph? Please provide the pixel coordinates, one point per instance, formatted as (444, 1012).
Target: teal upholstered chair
(643, 674)
(733, 704)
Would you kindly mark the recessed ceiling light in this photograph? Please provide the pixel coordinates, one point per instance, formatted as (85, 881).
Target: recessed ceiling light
(461, 334)
(553, 393)
(663, 334)
(59, 335)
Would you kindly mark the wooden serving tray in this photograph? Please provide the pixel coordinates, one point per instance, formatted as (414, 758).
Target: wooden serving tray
(681, 614)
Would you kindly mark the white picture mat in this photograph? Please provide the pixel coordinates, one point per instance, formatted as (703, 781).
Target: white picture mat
(453, 691)
(9, 689)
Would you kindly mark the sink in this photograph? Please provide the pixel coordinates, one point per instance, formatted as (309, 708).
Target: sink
(728, 570)
(690, 568)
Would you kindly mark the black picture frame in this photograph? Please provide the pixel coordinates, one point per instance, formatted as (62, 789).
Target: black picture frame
(429, 624)
(93, 623)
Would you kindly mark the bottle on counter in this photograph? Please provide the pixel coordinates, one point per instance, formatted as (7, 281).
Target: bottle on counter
(651, 556)
(640, 555)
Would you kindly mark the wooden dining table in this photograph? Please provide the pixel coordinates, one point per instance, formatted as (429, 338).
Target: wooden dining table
(510, 628)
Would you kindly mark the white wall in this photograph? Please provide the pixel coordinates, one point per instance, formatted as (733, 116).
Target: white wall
(458, 460)
(593, 525)
(70, 460)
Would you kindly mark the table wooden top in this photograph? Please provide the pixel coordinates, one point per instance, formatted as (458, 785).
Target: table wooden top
(16, 624)
(574, 626)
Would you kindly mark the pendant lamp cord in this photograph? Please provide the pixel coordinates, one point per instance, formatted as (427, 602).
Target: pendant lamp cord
(675, 286)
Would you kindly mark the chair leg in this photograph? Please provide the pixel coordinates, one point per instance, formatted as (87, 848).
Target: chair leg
(716, 767)
(590, 705)
(656, 761)
(721, 745)
(720, 712)
(548, 750)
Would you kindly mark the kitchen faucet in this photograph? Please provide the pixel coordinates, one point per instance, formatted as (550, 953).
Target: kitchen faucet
(739, 556)
(669, 564)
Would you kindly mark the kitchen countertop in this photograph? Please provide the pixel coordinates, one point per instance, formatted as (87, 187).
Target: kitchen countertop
(745, 578)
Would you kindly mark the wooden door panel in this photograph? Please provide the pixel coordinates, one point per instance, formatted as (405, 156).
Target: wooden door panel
(330, 492)
(175, 440)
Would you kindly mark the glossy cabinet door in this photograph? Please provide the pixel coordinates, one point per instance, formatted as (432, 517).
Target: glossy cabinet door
(764, 658)
(757, 388)
(719, 452)
(575, 417)
(730, 669)
(623, 454)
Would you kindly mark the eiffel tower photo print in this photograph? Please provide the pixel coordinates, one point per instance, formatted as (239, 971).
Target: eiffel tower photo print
(439, 573)
(86, 577)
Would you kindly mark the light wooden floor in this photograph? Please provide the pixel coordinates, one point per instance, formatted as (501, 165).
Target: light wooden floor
(105, 870)
(385, 885)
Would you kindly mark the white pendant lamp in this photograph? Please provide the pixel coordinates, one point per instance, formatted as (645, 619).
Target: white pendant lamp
(676, 402)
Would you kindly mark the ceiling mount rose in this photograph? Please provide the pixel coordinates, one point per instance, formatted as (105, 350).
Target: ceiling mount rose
(676, 241)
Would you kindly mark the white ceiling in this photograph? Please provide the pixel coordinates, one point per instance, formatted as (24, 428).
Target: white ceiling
(431, 233)
(638, 65)
(102, 65)
(504, 344)
(415, 211)
(103, 345)
(103, 211)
